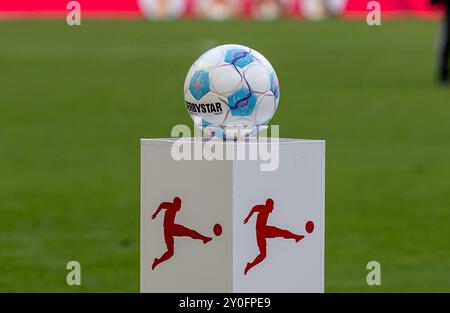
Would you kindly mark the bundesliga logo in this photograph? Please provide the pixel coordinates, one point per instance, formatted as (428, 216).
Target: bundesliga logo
(263, 230)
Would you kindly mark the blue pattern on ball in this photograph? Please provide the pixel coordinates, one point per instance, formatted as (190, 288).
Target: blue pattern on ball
(242, 102)
(204, 123)
(218, 132)
(199, 85)
(274, 87)
(238, 57)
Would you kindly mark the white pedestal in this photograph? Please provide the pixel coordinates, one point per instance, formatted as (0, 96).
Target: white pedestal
(223, 193)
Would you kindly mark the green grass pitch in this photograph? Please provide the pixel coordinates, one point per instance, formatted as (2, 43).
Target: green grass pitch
(75, 101)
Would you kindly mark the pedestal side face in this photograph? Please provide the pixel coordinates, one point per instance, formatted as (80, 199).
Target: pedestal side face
(269, 246)
(205, 191)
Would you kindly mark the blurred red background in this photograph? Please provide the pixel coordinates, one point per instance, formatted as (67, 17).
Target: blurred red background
(11, 9)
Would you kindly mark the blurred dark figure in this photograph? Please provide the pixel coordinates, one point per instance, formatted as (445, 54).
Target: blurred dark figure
(443, 47)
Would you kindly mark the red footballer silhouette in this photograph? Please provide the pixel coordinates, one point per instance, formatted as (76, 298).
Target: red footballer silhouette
(171, 229)
(264, 231)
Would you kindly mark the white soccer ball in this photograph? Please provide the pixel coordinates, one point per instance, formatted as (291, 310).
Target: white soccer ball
(231, 91)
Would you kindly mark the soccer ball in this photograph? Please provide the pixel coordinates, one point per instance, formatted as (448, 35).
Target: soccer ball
(231, 91)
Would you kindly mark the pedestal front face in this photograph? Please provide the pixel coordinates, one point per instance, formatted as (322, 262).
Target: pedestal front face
(287, 235)
(227, 226)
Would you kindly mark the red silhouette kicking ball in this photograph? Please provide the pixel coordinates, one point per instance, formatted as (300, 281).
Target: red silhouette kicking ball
(217, 229)
(309, 227)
